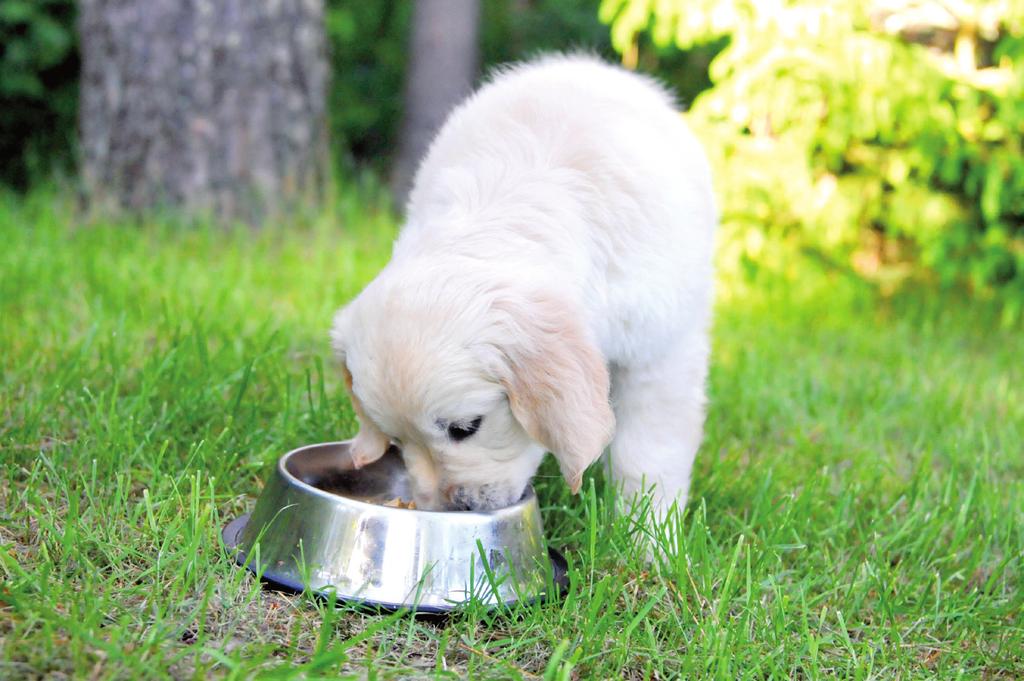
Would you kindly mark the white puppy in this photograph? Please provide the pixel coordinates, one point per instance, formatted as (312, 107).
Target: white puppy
(552, 288)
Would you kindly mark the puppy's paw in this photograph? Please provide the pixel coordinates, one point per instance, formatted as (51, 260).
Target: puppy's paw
(368, 446)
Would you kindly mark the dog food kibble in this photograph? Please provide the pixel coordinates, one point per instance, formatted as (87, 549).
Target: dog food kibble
(398, 503)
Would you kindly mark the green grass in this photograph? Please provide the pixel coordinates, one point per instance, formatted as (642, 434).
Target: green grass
(857, 510)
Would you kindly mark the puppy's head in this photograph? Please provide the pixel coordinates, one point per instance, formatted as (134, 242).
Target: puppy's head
(474, 383)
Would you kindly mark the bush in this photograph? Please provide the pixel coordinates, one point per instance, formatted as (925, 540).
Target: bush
(885, 136)
(369, 43)
(38, 87)
(368, 53)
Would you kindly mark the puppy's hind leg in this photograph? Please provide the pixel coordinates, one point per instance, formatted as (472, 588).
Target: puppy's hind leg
(659, 411)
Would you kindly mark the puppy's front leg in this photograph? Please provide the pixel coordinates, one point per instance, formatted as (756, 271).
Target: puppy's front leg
(659, 411)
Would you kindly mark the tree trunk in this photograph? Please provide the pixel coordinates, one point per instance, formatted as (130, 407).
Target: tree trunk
(442, 67)
(216, 107)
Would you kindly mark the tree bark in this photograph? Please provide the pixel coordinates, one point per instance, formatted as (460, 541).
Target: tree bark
(442, 67)
(215, 107)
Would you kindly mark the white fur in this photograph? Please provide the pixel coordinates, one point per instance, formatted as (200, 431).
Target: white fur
(559, 240)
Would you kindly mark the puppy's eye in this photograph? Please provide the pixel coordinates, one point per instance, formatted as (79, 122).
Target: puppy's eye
(460, 431)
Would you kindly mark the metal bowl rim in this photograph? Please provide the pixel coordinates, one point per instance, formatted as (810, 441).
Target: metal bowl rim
(457, 516)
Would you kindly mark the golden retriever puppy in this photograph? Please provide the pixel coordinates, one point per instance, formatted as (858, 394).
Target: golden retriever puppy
(550, 292)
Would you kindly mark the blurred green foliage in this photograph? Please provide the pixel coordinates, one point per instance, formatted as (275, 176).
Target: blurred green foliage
(369, 40)
(369, 44)
(882, 137)
(38, 87)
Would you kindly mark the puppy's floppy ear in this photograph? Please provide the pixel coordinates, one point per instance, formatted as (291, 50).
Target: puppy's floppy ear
(556, 379)
(370, 443)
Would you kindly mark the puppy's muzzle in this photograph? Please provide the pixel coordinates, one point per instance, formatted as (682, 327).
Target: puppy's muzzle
(483, 498)
(457, 499)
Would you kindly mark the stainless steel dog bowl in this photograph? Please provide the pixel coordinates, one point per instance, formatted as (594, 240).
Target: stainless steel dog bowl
(319, 524)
